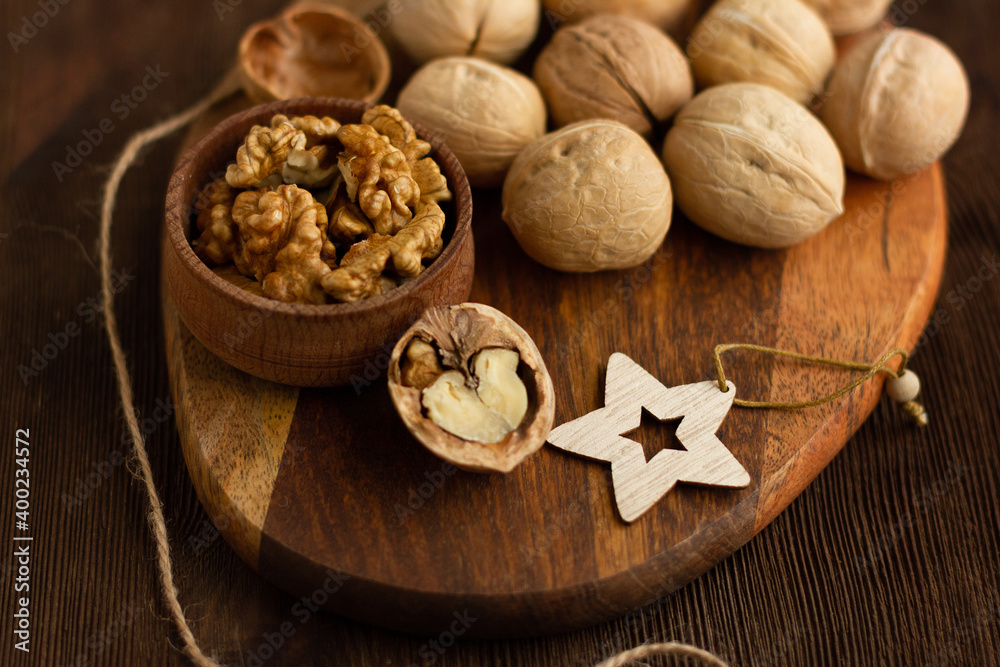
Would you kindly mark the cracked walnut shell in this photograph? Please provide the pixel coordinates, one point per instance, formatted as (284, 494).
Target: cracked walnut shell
(613, 67)
(313, 50)
(474, 370)
(754, 167)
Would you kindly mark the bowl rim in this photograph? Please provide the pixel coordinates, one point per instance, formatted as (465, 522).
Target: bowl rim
(178, 210)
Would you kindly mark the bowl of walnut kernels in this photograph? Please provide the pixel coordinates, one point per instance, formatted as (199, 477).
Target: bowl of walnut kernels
(304, 236)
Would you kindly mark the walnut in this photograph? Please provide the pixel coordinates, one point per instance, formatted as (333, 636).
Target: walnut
(614, 67)
(418, 241)
(312, 49)
(261, 158)
(315, 164)
(779, 43)
(668, 15)
(347, 221)
(896, 103)
(496, 30)
(315, 167)
(421, 365)
(486, 113)
(589, 197)
(219, 234)
(425, 171)
(754, 167)
(846, 17)
(360, 275)
(471, 386)
(285, 246)
(317, 130)
(390, 122)
(300, 266)
(378, 177)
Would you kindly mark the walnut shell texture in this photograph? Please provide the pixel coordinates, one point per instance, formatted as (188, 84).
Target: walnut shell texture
(498, 30)
(779, 43)
(614, 67)
(589, 197)
(668, 15)
(752, 166)
(458, 333)
(313, 50)
(850, 16)
(486, 113)
(896, 103)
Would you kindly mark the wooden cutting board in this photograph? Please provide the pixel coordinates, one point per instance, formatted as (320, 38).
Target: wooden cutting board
(325, 493)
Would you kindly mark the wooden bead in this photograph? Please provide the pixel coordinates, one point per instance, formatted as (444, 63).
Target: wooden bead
(905, 388)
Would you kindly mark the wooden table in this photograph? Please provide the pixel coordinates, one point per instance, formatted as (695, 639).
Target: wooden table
(891, 555)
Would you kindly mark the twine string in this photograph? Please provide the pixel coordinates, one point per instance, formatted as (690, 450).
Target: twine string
(914, 409)
(669, 648)
(157, 523)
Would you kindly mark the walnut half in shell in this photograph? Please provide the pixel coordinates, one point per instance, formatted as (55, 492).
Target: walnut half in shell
(461, 377)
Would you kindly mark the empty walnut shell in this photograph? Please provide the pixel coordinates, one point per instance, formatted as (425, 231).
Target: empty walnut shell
(459, 333)
(313, 51)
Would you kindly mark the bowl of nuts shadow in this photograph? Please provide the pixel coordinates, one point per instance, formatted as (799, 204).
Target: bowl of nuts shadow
(299, 344)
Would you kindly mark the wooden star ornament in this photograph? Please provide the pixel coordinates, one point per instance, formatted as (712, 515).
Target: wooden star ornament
(639, 484)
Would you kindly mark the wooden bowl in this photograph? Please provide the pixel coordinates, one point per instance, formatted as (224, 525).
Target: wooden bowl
(313, 50)
(304, 345)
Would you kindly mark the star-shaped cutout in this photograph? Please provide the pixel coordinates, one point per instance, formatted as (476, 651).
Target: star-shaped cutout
(640, 484)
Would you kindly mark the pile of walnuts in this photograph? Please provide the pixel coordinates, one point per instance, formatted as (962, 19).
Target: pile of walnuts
(320, 212)
(746, 122)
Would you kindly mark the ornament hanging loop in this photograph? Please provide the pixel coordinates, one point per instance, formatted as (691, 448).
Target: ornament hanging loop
(903, 386)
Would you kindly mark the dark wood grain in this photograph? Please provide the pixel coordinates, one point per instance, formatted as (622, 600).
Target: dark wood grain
(888, 557)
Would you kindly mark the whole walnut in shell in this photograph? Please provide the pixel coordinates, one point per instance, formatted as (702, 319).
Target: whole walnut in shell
(752, 166)
(613, 67)
(486, 113)
(896, 103)
(780, 43)
(849, 16)
(498, 31)
(668, 15)
(589, 197)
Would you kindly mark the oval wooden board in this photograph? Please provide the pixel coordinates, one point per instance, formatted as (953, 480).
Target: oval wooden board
(308, 484)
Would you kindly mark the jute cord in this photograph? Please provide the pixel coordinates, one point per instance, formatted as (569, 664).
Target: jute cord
(668, 649)
(157, 523)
